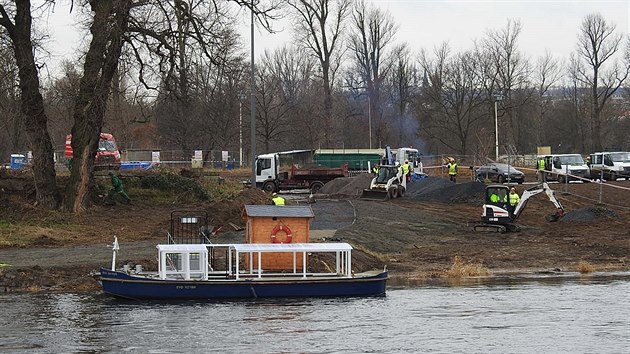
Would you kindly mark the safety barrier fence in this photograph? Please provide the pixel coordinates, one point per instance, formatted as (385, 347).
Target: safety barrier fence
(603, 184)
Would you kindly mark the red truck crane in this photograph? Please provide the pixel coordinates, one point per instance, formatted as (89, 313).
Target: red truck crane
(107, 156)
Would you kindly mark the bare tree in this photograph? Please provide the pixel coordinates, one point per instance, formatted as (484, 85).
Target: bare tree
(11, 119)
(511, 72)
(59, 99)
(546, 75)
(113, 23)
(110, 22)
(319, 28)
(272, 116)
(299, 87)
(372, 31)
(401, 84)
(597, 46)
(19, 30)
(452, 107)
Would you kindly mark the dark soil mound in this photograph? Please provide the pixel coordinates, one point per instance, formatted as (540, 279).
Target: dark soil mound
(589, 213)
(231, 211)
(350, 186)
(442, 190)
(429, 189)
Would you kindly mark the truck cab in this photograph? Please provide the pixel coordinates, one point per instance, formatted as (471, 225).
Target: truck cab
(107, 155)
(267, 168)
(409, 154)
(566, 167)
(610, 165)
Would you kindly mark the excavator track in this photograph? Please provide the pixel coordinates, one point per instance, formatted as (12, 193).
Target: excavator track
(489, 228)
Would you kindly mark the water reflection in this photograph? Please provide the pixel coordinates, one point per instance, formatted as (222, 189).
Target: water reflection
(564, 314)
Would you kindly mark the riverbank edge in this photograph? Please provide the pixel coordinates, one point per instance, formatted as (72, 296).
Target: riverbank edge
(73, 279)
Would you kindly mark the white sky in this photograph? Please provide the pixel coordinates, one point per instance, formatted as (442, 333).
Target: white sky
(547, 24)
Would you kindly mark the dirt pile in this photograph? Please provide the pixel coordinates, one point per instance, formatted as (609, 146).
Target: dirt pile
(231, 211)
(442, 190)
(350, 186)
(429, 189)
(589, 213)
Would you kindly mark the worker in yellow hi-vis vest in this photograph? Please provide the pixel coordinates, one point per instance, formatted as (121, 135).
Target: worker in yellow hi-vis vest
(452, 170)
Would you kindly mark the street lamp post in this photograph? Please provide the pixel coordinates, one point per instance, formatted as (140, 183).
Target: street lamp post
(241, 97)
(370, 120)
(252, 98)
(497, 98)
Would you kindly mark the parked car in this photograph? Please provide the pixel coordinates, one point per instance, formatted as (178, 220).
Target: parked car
(612, 165)
(499, 173)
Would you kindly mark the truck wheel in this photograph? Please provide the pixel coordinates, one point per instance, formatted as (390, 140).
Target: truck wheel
(316, 186)
(401, 191)
(269, 187)
(392, 193)
(613, 176)
(499, 179)
(561, 179)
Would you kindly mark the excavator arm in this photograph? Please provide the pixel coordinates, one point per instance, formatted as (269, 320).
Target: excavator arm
(543, 187)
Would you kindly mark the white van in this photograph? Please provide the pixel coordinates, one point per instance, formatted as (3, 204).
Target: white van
(558, 166)
(612, 165)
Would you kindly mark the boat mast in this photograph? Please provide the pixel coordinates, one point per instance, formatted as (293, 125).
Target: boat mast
(115, 249)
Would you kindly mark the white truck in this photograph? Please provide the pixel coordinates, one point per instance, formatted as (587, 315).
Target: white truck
(270, 178)
(566, 167)
(610, 165)
(408, 154)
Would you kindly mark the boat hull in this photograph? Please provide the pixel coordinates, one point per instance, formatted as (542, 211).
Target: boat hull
(124, 285)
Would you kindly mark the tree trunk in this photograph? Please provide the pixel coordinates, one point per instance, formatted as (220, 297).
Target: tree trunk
(32, 106)
(108, 27)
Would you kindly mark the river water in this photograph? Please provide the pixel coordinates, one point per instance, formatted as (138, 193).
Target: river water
(574, 315)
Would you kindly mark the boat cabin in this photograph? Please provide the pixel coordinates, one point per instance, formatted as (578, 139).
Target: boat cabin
(271, 224)
(190, 261)
(186, 261)
(277, 224)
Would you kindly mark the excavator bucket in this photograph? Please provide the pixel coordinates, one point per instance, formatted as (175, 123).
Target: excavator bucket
(374, 194)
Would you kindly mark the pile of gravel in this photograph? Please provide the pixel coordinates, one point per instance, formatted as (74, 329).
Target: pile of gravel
(430, 189)
(350, 186)
(442, 190)
(589, 213)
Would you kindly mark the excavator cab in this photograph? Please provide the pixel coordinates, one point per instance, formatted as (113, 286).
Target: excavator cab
(498, 196)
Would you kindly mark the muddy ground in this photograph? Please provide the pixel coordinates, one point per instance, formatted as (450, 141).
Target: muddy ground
(416, 237)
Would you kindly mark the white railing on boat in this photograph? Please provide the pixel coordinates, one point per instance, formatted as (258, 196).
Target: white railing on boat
(187, 260)
(191, 257)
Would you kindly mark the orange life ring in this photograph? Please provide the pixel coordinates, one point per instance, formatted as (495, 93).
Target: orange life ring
(281, 228)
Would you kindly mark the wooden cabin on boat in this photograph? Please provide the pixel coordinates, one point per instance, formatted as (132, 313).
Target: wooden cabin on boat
(278, 224)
